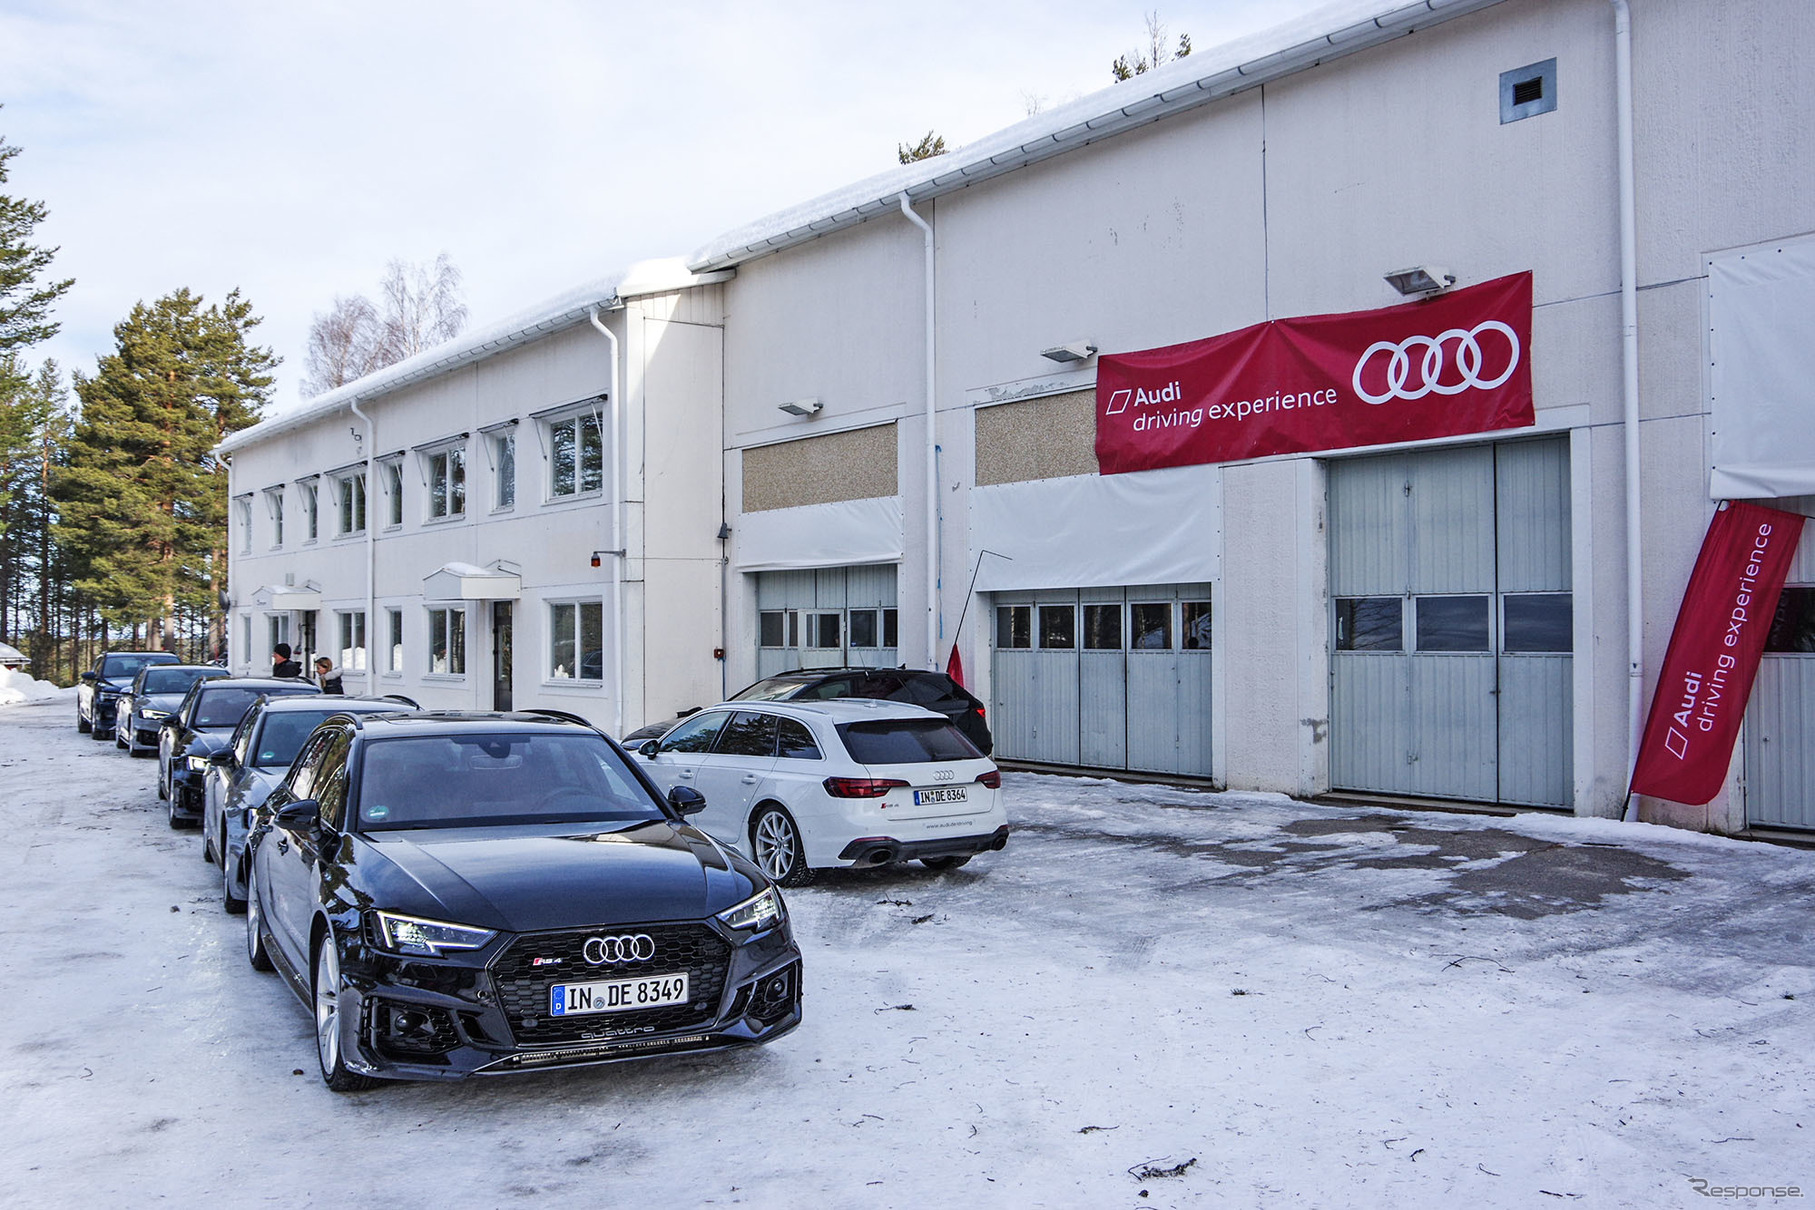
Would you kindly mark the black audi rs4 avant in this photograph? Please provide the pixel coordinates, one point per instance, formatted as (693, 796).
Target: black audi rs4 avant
(467, 894)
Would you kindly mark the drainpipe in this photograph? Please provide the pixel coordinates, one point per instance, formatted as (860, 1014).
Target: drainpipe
(371, 552)
(1629, 365)
(932, 465)
(617, 531)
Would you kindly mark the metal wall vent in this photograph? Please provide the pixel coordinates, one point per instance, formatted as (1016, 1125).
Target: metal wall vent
(1528, 91)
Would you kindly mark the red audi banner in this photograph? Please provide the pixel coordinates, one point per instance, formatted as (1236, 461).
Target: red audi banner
(1713, 654)
(1454, 364)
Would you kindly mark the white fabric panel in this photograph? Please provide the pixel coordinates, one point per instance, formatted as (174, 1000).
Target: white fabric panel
(1761, 307)
(1088, 531)
(820, 535)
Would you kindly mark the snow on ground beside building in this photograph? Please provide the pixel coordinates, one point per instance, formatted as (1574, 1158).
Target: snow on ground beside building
(17, 687)
(1282, 1004)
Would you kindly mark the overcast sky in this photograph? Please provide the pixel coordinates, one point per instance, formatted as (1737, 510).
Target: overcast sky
(292, 149)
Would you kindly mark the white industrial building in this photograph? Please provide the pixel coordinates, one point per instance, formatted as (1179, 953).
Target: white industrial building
(800, 444)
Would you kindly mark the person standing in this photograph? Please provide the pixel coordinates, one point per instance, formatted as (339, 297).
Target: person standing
(282, 664)
(327, 675)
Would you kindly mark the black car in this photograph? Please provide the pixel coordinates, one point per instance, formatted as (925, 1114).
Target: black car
(102, 685)
(467, 894)
(155, 693)
(201, 726)
(241, 775)
(933, 691)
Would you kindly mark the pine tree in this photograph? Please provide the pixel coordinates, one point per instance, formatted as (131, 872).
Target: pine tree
(25, 302)
(34, 431)
(1126, 67)
(143, 504)
(929, 146)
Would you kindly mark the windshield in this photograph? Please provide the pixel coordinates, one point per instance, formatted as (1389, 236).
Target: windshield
(906, 741)
(775, 689)
(487, 780)
(173, 680)
(125, 667)
(224, 706)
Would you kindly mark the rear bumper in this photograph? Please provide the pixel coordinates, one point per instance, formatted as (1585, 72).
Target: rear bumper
(885, 850)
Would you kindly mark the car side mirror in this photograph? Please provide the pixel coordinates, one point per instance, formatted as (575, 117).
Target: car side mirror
(649, 748)
(89, 676)
(686, 801)
(223, 757)
(303, 813)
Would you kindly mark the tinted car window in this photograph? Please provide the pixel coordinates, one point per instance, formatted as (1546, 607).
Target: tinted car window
(795, 742)
(748, 734)
(694, 735)
(282, 737)
(170, 680)
(223, 707)
(774, 689)
(124, 667)
(302, 777)
(906, 741)
(484, 780)
(331, 779)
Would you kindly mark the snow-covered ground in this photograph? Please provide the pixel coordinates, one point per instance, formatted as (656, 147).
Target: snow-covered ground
(1283, 1005)
(17, 687)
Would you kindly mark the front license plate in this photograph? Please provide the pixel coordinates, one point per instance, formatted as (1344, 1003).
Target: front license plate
(945, 794)
(616, 995)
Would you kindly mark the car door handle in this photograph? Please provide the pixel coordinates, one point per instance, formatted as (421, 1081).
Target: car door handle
(750, 779)
(283, 845)
(688, 773)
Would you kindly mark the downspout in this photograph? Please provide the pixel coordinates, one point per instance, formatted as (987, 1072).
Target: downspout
(932, 464)
(617, 531)
(371, 552)
(1629, 366)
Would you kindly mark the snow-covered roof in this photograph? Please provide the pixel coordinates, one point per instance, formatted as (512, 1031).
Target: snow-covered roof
(1206, 75)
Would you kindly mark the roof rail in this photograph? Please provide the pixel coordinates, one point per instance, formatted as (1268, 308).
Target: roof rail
(564, 715)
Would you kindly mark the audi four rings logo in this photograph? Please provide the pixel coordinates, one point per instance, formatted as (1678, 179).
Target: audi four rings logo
(1435, 360)
(604, 951)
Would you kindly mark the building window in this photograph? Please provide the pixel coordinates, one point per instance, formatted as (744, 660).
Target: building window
(1102, 627)
(245, 638)
(824, 630)
(576, 632)
(353, 641)
(274, 504)
(311, 506)
(242, 517)
(447, 482)
(1452, 623)
(351, 493)
(504, 470)
(863, 627)
(577, 456)
(1058, 627)
(1537, 622)
(891, 630)
(771, 625)
(393, 493)
(447, 642)
(278, 626)
(394, 627)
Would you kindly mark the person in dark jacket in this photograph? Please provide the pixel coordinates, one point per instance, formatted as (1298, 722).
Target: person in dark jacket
(327, 675)
(282, 664)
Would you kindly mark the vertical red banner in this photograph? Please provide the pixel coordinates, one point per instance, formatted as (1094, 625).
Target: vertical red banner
(1713, 654)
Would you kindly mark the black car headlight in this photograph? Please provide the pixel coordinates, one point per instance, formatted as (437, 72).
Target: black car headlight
(414, 935)
(761, 911)
(150, 715)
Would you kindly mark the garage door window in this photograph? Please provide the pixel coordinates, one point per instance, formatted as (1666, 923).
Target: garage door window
(1014, 626)
(1793, 629)
(1195, 616)
(1370, 624)
(1537, 622)
(1058, 627)
(1452, 623)
(1152, 623)
(1103, 627)
(863, 627)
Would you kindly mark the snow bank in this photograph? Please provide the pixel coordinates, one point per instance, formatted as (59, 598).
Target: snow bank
(17, 687)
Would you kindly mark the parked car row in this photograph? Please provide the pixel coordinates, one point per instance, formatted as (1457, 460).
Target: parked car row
(413, 877)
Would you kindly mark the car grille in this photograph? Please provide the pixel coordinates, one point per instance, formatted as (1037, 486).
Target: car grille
(523, 988)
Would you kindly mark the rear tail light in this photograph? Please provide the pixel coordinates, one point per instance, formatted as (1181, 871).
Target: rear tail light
(992, 779)
(862, 787)
(979, 711)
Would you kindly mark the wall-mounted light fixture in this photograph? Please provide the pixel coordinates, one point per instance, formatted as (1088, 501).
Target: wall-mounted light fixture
(724, 531)
(598, 554)
(1420, 279)
(801, 407)
(1077, 350)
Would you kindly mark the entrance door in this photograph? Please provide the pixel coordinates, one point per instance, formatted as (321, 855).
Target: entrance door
(1780, 720)
(1451, 664)
(501, 655)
